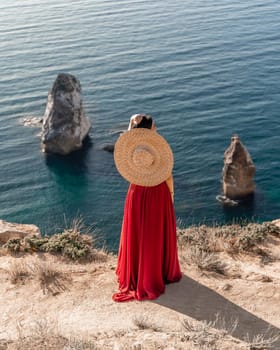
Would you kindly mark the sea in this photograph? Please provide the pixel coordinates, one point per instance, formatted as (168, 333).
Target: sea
(204, 70)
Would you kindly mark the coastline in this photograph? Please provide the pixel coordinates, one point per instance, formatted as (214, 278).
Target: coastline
(56, 303)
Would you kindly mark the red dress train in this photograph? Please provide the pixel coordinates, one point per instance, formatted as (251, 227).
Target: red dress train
(148, 257)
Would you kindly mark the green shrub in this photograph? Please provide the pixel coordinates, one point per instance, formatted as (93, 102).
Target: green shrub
(244, 237)
(13, 245)
(70, 244)
(252, 235)
(35, 243)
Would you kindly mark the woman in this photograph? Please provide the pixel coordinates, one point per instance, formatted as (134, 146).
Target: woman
(147, 258)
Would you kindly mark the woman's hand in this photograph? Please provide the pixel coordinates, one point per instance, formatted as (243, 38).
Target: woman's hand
(135, 119)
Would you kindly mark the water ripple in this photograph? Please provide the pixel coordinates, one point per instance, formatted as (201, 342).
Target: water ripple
(203, 70)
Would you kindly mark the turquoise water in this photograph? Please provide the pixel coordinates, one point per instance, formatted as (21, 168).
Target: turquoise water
(203, 70)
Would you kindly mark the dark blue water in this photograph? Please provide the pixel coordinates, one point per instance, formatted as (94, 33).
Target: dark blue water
(203, 70)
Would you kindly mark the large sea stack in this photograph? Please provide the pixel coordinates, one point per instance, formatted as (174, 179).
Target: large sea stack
(238, 171)
(65, 125)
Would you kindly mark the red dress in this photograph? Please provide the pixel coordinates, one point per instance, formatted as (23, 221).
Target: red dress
(148, 257)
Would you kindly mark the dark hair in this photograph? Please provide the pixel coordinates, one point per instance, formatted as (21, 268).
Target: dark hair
(146, 122)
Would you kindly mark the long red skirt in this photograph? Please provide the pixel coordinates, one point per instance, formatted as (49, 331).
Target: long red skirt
(148, 257)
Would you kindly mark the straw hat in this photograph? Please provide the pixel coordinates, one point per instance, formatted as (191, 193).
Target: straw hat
(143, 157)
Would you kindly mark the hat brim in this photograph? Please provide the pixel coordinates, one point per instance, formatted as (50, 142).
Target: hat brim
(152, 175)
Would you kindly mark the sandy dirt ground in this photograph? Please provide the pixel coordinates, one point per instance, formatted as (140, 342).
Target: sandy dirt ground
(54, 304)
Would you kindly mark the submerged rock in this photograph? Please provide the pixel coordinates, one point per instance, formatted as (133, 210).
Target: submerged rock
(238, 171)
(32, 121)
(227, 201)
(10, 230)
(65, 125)
(109, 148)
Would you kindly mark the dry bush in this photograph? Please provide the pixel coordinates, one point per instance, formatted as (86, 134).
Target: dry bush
(221, 324)
(49, 341)
(246, 237)
(207, 261)
(100, 255)
(142, 322)
(262, 341)
(52, 280)
(80, 344)
(201, 334)
(198, 236)
(19, 272)
(207, 335)
(44, 334)
(40, 335)
(235, 238)
(32, 343)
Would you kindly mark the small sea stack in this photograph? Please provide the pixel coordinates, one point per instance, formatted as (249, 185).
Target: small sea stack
(238, 171)
(65, 125)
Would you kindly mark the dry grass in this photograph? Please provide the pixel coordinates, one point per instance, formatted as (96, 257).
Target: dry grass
(41, 334)
(51, 279)
(204, 244)
(201, 334)
(262, 341)
(80, 344)
(143, 322)
(221, 324)
(209, 335)
(44, 334)
(207, 261)
(206, 335)
(99, 255)
(19, 272)
(53, 342)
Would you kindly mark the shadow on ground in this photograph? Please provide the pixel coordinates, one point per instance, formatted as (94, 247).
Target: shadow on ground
(203, 304)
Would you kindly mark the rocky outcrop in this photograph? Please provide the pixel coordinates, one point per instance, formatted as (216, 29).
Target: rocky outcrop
(276, 222)
(238, 171)
(65, 125)
(10, 230)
